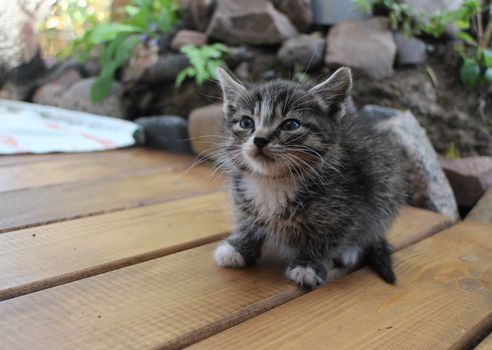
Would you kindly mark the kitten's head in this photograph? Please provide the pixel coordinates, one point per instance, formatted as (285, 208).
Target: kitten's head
(281, 128)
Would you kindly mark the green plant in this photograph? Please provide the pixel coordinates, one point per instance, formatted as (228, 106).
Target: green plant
(142, 22)
(476, 49)
(204, 61)
(410, 22)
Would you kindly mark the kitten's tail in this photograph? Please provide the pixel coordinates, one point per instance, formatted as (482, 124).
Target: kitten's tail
(379, 256)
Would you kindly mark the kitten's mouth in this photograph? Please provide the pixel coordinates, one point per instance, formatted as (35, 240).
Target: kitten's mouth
(262, 156)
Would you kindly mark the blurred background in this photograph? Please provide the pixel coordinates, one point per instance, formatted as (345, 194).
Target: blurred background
(422, 68)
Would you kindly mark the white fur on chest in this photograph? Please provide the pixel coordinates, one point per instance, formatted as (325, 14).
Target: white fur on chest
(269, 196)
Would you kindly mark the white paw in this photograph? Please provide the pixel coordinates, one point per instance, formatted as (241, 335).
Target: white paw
(304, 276)
(350, 256)
(226, 255)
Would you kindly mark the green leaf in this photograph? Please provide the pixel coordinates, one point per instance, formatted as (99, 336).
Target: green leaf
(469, 73)
(466, 38)
(488, 75)
(185, 73)
(131, 10)
(487, 58)
(101, 88)
(109, 32)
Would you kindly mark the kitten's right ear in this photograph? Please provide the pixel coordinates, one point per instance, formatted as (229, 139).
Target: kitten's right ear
(336, 88)
(230, 87)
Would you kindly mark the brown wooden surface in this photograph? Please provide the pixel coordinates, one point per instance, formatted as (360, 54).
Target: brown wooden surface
(43, 205)
(112, 250)
(85, 168)
(443, 300)
(88, 246)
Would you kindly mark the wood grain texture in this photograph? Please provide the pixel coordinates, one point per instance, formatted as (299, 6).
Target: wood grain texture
(41, 257)
(442, 301)
(86, 168)
(40, 206)
(169, 302)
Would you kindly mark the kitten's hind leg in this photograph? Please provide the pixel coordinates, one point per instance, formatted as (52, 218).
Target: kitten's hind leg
(242, 248)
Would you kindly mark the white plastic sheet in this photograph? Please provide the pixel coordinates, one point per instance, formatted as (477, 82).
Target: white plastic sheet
(33, 128)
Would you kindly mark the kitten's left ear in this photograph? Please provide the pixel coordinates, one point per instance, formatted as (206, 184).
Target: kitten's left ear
(230, 87)
(335, 89)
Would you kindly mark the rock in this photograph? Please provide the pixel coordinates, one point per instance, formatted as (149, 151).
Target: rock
(482, 211)
(165, 69)
(243, 71)
(366, 45)
(167, 132)
(427, 187)
(329, 12)
(300, 12)
(410, 50)
(249, 22)
(469, 177)
(197, 13)
(77, 98)
(188, 37)
(203, 128)
(237, 54)
(143, 57)
(51, 92)
(304, 51)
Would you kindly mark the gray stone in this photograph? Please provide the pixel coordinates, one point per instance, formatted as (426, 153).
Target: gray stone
(329, 12)
(77, 98)
(427, 187)
(249, 22)
(143, 57)
(166, 69)
(304, 51)
(188, 37)
(51, 92)
(300, 12)
(365, 45)
(410, 50)
(166, 132)
(197, 13)
(469, 177)
(237, 54)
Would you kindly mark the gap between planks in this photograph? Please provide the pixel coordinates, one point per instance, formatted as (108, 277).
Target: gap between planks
(171, 301)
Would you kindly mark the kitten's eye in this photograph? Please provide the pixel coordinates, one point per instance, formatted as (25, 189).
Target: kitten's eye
(247, 123)
(290, 124)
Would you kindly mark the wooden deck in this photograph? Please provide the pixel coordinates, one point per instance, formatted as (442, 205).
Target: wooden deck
(112, 250)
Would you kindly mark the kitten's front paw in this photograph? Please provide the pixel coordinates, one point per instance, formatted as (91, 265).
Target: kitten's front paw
(226, 255)
(305, 276)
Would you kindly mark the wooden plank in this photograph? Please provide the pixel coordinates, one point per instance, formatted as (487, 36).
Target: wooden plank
(86, 168)
(442, 301)
(39, 206)
(485, 344)
(169, 302)
(85, 247)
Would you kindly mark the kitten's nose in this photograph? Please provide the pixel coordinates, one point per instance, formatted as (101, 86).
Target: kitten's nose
(260, 142)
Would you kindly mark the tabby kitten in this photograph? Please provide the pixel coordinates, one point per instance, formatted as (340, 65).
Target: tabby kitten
(306, 176)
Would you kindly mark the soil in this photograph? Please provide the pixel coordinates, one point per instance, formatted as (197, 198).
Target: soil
(450, 114)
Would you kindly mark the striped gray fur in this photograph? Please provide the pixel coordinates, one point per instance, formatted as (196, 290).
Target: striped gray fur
(306, 176)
